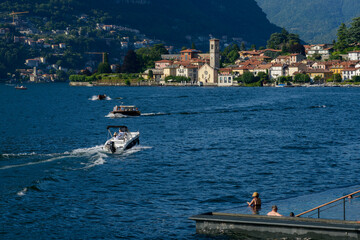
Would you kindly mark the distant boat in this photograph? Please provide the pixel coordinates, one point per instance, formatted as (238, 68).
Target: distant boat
(21, 87)
(101, 97)
(126, 110)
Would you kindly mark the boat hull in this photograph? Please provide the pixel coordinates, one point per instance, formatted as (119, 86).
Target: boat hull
(127, 113)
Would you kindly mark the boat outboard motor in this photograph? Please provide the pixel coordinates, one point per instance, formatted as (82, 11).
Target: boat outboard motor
(112, 147)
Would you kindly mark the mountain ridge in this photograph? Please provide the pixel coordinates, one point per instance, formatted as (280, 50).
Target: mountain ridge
(172, 21)
(315, 21)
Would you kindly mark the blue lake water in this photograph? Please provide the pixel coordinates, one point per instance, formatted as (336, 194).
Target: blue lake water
(201, 150)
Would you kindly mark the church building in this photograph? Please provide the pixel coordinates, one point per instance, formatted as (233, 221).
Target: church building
(208, 73)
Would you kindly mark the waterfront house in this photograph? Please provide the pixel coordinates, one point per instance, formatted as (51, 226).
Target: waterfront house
(225, 79)
(189, 71)
(322, 73)
(277, 70)
(295, 68)
(349, 73)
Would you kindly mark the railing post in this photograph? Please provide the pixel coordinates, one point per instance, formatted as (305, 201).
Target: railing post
(318, 212)
(344, 207)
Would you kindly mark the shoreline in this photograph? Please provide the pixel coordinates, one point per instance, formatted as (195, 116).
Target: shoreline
(154, 84)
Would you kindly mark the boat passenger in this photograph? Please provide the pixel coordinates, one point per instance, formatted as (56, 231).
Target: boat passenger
(256, 201)
(274, 212)
(121, 134)
(115, 108)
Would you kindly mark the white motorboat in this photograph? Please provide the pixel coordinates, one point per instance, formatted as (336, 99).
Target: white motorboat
(121, 140)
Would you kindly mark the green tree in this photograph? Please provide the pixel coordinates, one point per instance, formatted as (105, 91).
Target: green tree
(337, 77)
(248, 77)
(61, 76)
(147, 56)
(342, 37)
(104, 68)
(242, 46)
(151, 74)
(354, 31)
(193, 46)
(131, 63)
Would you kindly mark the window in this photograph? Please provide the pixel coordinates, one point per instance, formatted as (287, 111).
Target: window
(212, 46)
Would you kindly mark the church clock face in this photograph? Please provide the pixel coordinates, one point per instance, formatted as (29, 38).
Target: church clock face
(206, 72)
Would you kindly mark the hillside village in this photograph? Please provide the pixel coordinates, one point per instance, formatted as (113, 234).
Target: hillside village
(58, 59)
(204, 69)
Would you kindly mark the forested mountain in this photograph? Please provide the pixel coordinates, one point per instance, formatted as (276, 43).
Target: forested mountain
(170, 20)
(316, 21)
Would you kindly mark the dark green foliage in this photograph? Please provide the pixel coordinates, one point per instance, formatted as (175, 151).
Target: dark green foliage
(287, 42)
(61, 76)
(149, 55)
(230, 54)
(177, 79)
(151, 74)
(301, 78)
(193, 46)
(315, 21)
(263, 77)
(131, 63)
(155, 18)
(242, 47)
(337, 77)
(13, 55)
(355, 78)
(104, 68)
(248, 77)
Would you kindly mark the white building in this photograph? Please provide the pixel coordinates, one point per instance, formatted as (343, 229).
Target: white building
(277, 70)
(189, 71)
(225, 80)
(354, 56)
(349, 73)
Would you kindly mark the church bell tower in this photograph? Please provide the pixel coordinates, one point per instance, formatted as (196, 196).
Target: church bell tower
(214, 53)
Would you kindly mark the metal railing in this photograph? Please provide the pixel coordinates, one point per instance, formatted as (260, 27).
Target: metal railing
(326, 204)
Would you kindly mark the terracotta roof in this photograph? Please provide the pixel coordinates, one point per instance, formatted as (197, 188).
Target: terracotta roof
(190, 50)
(164, 61)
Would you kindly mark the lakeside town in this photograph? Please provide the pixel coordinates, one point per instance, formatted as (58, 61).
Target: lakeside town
(57, 61)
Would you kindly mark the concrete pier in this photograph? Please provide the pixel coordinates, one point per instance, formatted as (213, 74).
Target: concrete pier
(244, 226)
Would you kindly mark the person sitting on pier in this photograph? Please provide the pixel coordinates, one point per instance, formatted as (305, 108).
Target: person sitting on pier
(274, 212)
(256, 201)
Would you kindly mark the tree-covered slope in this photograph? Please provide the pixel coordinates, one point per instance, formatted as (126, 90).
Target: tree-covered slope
(315, 21)
(168, 20)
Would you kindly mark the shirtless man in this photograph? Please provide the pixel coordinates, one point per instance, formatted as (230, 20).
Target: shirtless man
(274, 212)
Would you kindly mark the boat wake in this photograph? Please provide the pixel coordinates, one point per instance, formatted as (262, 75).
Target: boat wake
(155, 114)
(93, 156)
(116, 115)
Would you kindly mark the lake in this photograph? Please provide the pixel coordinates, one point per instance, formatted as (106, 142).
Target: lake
(201, 149)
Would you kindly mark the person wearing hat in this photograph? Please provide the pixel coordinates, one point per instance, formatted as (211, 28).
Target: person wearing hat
(256, 201)
(274, 212)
